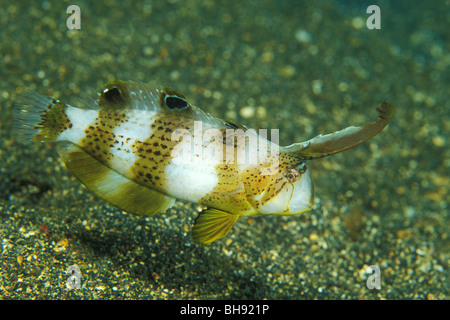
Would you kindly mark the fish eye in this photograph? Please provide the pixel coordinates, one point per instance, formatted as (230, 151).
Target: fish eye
(174, 102)
(112, 94)
(291, 175)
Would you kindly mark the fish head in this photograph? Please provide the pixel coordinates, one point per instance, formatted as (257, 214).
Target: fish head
(289, 191)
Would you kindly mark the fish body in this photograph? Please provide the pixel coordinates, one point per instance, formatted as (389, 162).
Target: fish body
(141, 148)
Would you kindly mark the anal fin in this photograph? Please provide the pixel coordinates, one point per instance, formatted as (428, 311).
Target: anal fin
(211, 225)
(110, 185)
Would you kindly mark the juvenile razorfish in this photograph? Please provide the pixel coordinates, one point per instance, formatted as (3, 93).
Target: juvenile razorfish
(122, 148)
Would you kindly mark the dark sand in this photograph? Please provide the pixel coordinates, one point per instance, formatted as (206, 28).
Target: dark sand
(303, 67)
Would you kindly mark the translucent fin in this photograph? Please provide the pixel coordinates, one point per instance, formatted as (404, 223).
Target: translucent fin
(234, 125)
(37, 117)
(326, 145)
(133, 95)
(211, 225)
(111, 186)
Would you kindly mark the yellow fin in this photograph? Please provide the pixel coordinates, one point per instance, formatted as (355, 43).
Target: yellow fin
(211, 225)
(110, 185)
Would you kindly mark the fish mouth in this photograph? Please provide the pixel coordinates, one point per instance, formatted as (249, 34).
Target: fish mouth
(291, 198)
(302, 198)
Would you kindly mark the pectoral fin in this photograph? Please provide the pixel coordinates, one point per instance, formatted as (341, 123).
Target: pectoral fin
(110, 185)
(211, 225)
(326, 145)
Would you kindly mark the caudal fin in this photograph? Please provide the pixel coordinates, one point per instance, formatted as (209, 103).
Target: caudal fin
(37, 118)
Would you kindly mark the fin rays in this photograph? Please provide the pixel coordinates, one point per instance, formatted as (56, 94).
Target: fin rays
(133, 95)
(329, 144)
(212, 225)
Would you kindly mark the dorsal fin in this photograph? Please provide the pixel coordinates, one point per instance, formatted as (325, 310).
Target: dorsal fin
(125, 95)
(329, 144)
(233, 125)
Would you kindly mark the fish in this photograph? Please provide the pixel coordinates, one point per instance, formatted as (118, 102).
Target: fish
(141, 147)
